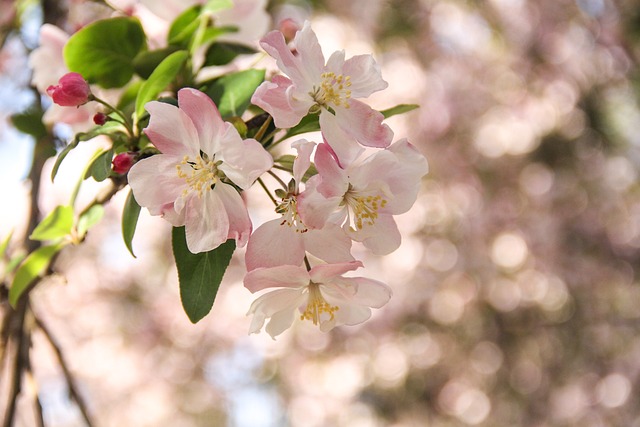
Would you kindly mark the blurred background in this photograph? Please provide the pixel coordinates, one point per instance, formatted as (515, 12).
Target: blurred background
(516, 297)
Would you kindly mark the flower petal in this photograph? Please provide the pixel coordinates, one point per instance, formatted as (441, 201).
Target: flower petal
(325, 273)
(364, 124)
(275, 98)
(155, 183)
(206, 222)
(239, 223)
(335, 181)
(330, 244)
(303, 159)
(365, 74)
(282, 276)
(313, 207)
(243, 160)
(343, 144)
(171, 130)
(381, 238)
(205, 117)
(273, 244)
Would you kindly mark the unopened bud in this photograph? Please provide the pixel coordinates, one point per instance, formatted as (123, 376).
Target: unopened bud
(123, 162)
(100, 119)
(72, 90)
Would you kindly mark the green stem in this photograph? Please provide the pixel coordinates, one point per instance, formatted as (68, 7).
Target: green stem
(124, 122)
(262, 184)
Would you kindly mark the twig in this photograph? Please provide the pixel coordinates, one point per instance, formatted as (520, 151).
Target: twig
(71, 382)
(20, 336)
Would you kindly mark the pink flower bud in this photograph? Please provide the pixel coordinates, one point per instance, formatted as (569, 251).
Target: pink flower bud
(100, 119)
(71, 91)
(123, 162)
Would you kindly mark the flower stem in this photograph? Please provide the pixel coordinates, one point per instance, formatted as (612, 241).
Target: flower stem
(261, 182)
(124, 121)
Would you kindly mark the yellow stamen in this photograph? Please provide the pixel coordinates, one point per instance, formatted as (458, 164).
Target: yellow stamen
(317, 306)
(200, 174)
(289, 210)
(364, 208)
(333, 90)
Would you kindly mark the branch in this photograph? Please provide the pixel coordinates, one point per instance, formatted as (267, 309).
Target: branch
(71, 382)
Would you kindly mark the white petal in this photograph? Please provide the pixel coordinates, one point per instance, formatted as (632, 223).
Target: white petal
(283, 276)
(206, 222)
(171, 130)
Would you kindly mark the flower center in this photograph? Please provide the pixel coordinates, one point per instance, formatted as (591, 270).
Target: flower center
(289, 210)
(200, 174)
(317, 306)
(333, 90)
(363, 209)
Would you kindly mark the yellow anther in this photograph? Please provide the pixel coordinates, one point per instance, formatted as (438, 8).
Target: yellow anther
(317, 306)
(363, 209)
(200, 174)
(332, 92)
(289, 210)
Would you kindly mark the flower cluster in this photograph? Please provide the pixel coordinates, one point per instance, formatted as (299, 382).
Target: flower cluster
(353, 197)
(190, 166)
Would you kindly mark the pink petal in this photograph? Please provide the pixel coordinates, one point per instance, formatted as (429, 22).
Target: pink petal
(171, 130)
(313, 207)
(343, 144)
(205, 117)
(303, 159)
(335, 181)
(310, 55)
(270, 235)
(364, 124)
(275, 98)
(155, 183)
(365, 74)
(206, 222)
(330, 244)
(243, 160)
(381, 238)
(239, 223)
(280, 306)
(325, 273)
(405, 180)
(282, 276)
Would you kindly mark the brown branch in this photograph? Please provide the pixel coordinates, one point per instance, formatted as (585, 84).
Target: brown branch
(71, 382)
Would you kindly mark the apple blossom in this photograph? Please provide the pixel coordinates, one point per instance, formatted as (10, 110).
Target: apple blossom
(330, 88)
(72, 90)
(286, 240)
(192, 182)
(364, 196)
(322, 295)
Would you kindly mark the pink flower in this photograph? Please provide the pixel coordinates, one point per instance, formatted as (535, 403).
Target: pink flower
(363, 196)
(322, 295)
(72, 90)
(286, 240)
(123, 162)
(330, 88)
(193, 182)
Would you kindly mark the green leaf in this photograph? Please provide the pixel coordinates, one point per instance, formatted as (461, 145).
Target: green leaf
(223, 53)
(5, 244)
(184, 26)
(309, 123)
(32, 267)
(147, 61)
(103, 51)
(199, 274)
(161, 77)
(89, 219)
(130, 215)
(109, 128)
(30, 122)
(399, 109)
(57, 224)
(213, 6)
(100, 168)
(232, 93)
(14, 262)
